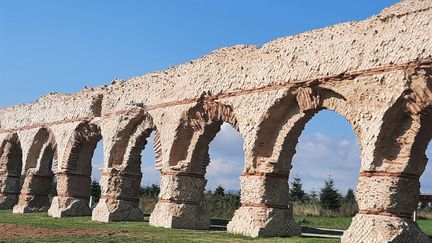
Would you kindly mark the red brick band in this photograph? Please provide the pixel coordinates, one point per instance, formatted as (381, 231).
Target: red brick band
(349, 75)
(13, 176)
(384, 213)
(268, 174)
(123, 174)
(264, 205)
(66, 173)
(74, 196)
(178, 201)
(9, 193)
(120, 198)
(389, 174)
(40, 176)
(185, 174)
(33, 195)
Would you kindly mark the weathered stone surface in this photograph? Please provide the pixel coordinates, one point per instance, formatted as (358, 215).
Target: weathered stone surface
(119, 210)
(179, 216)
(119, 197)
(67, 207)
(376, 73)
(380, 229)
(264, 221)
(179, 199)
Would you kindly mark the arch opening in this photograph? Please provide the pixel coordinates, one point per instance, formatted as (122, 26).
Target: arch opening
(96, 168)
(422, 154)
(222, 196)
(150, 182)
(198, 126)
(327, 156)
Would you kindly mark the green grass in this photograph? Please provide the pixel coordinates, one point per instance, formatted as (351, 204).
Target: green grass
(143, 232)
(138, 231)
(341, 223)
(425, 226)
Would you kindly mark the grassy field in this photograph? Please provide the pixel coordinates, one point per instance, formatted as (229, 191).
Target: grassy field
(24, 228)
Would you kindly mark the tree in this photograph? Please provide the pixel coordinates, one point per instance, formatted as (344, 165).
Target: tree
(150, 191)
(349, 197)
(296, 191)
(330, 198)
(314, 197)
(53, 189)
(95, 191)
(219, 191)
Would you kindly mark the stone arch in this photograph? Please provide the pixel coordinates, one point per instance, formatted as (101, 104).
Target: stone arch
(74, 177)
(80, 148)
(121, 178)
(406, 129)
(398, 161)
(198, 127)
(183, 182)
(282, 125)
(37, 185)
(42, 154)
(10, 171)
(11, 155)
(418, 158)
(131, 140)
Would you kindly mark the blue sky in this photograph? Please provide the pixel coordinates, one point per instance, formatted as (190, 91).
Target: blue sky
(62, 46)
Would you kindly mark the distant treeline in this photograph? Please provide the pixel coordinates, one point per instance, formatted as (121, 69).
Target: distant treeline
(221, 204)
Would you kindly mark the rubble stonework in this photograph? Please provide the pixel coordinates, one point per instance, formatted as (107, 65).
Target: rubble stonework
(376, 73)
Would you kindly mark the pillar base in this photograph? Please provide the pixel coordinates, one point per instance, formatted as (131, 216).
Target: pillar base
(179, 216)
(379, 228)
(119, 210)
(69, 207)
(8, 201)
(263, 221)
(32, 204)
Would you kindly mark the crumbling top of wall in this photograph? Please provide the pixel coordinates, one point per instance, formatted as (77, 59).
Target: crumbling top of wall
(53, 107)
(399, 34)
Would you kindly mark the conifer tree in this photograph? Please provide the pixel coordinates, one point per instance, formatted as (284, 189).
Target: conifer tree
(95, 191)
(219, 191)
(349, 197)
(53, 190)
(314, 197)
(330, 198)
(296, 191)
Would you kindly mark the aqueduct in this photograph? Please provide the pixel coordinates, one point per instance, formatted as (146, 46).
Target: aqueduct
(376, 73)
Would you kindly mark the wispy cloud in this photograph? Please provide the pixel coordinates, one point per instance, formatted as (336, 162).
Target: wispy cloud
(319, 156)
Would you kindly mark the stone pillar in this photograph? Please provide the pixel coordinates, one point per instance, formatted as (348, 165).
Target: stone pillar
(265, 210)
(34, 195)
(9, 190)
(386, 202)
(119, 197)
(73, 194)
(178, 206)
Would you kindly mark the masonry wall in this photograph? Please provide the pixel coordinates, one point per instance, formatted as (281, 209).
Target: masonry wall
(376, 73)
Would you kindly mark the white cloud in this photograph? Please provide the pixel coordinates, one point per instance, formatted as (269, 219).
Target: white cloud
(344, 142)
(218, 167)
(226, 159)
(319, 155)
